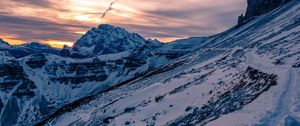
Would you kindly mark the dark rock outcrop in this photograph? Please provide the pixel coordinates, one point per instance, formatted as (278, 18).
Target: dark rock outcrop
(3, 42)
(83, 72)
(259, 7)
(36, 61)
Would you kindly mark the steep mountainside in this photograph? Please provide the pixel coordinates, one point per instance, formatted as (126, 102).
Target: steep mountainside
(181, 47)
(36, 80)
(244, 76)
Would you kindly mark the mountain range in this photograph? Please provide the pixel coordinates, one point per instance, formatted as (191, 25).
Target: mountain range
(246, 75)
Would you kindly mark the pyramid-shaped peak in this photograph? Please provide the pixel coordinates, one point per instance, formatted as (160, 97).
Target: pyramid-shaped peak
(108, 39)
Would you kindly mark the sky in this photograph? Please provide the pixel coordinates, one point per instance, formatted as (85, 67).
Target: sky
(62, 22)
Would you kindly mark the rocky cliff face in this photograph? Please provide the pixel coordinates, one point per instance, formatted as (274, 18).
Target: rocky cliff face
(259, 7)
(107, 39)
(36, 79)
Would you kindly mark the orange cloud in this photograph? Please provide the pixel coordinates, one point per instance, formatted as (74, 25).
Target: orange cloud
(58, 44)
(52, 43)
(162, 19)
(166, 40)
(13, 41)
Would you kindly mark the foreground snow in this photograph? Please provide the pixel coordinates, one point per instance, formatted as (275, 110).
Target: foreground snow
(245, 76)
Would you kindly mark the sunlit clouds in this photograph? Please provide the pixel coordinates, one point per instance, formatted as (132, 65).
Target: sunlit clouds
(58, 44)
(60, 22)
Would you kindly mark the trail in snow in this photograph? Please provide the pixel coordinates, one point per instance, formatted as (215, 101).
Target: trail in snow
(297, 100)
(284, 104)
(294, 118)
(290, 121)
(283, 113)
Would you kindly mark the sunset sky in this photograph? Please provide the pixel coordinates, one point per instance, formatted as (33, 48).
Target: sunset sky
(59, 22)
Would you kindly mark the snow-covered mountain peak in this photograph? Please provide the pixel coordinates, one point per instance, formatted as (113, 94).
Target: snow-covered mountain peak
(111, 28)
(107, 39)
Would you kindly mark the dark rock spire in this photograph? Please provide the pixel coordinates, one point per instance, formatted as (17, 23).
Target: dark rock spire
(259, 7)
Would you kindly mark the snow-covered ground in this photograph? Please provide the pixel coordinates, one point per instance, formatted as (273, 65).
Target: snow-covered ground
(244, 76)
(214, 84)
(272, 108)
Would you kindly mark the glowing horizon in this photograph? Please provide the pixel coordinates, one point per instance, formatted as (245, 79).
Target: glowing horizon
(65, 21)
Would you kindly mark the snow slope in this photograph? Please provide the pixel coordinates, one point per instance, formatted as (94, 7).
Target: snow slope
(41, 83)
(244, 76)
(37, 80)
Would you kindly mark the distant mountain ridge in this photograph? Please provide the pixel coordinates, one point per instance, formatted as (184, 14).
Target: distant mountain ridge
(36, 79)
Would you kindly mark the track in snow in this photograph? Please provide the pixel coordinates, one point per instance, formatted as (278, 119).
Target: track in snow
(283, 113)
(283, 109)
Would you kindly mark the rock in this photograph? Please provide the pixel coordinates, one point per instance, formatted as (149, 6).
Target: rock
(2, 42)
(36, 61)
(127, 110)
(259, 7)
(26, 89)
(10, 113)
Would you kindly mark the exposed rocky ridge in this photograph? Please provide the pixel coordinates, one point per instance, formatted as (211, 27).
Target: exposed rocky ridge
(259, 7)
(14, 80)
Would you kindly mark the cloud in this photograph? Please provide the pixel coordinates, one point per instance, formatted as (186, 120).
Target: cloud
(37, 3)
(175, 19)
(185, 20)
(38, 29)
(62, 20)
